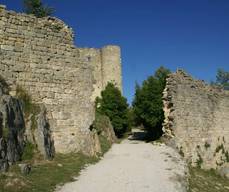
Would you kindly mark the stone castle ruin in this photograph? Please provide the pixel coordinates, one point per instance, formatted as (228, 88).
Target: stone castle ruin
(197, 120)
(39, 55)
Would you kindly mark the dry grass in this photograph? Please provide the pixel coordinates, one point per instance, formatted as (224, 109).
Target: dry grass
(45, 175)
(207, 181)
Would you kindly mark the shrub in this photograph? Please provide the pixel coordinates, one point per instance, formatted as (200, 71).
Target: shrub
(36, 7)
(114, 105)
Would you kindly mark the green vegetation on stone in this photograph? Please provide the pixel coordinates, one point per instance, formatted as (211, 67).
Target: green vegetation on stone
(4, 85)
(207, 145)
(114, 105)
(28, 106)
(101, 123)
(28, 152)
(104, 143)
(148, 105)
(199, 161)
(36, 7)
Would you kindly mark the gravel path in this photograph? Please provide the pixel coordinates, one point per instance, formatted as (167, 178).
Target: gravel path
(133, 166)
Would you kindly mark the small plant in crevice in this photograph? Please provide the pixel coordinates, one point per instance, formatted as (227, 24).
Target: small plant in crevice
(28, 106)
(181, 152)
(199, 161)
(223, 152)
(4, 85)
(227, 156)
(207, 145)
(219, 148)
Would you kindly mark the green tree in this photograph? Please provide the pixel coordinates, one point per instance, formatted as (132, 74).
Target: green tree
(36, 7)
(114, 105)
(148, 105)
(222, 78)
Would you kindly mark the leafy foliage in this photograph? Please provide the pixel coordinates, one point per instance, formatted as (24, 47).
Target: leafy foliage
(222, 78)
(148, 105)
(114, 105)
(37, 8)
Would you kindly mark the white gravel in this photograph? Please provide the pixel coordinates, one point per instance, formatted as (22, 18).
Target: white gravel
(133, 166)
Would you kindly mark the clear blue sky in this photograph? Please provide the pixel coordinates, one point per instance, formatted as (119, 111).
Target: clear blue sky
(188, 34)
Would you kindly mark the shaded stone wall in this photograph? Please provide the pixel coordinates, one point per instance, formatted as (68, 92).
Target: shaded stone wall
(39, 55)
(197, 120)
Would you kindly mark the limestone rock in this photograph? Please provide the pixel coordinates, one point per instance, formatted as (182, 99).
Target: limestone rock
(224, 171)
(44, 138)
(12, 129)
(25, 168)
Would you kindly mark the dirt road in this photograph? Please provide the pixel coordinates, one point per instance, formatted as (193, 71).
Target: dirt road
(133, 166)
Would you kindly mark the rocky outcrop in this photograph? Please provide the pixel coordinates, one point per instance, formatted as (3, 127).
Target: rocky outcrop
(196, 120)
(103, 127)
(43, 136)
(39, 134)
(12, 128)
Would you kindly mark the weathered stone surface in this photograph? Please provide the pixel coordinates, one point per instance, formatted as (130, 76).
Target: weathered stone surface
(44, 138)
(39, 55)
(224, 171)
(196, 120)
(25, 168)
(108, 130)
(12, 129)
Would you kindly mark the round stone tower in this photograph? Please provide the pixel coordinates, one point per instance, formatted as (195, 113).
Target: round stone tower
(111, 65)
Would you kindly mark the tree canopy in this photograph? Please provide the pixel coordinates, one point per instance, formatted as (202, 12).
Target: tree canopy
(222, 78)
(36, 7)
(114, 105)
(148, 105)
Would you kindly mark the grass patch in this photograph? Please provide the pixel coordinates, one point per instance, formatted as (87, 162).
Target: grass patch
(28, 152)
(45, 175)
(206, 181)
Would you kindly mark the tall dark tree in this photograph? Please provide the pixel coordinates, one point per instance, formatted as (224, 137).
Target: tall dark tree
(148, 105)
(114, 105)
(37, 8)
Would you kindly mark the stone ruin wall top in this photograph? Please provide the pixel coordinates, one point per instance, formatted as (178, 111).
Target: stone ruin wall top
(197, 120)
(39, 55)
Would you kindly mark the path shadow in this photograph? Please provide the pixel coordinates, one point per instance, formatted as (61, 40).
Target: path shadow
(142, 135)
(139, 135)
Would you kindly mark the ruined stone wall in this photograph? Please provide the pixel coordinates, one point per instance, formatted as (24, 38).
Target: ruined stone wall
(197, 120)
(39, 55)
